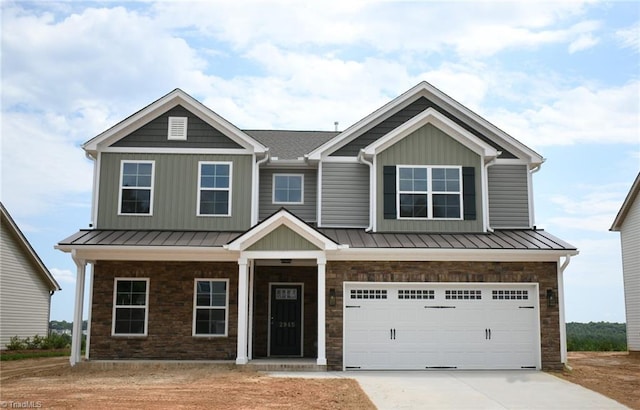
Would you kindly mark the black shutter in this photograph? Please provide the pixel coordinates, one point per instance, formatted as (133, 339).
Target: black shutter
(469, 193)
(389, 190)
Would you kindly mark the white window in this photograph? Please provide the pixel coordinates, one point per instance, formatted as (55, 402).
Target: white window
(426, 192)
(130, 307)
(136, 188)
(210, 307)
(288, 188)
(214, 188)
(177, 128)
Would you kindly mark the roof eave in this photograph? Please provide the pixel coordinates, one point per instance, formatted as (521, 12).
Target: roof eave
(626, 205)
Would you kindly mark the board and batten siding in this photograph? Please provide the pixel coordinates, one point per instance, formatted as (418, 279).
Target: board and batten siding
(305, 211)
(24, 295)
(508, 196)
(199, 134)
(428, 146)
(345, 195)
(630, 238)
(175, 193)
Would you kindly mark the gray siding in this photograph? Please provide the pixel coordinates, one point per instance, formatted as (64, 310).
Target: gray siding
(282, 239)
(508, 196)
(630, 237)
(175, 193)
(345, 195)
(428, 146)
(305, 211)
(352, 148)
(199, 134)
(24, 296)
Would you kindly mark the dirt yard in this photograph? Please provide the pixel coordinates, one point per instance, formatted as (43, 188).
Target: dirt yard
(613, 374)
(168, 386)
(51, 383)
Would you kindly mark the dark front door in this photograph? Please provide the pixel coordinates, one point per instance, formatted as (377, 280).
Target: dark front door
(286, 320)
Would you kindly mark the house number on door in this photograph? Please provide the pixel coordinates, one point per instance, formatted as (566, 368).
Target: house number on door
(286, 324)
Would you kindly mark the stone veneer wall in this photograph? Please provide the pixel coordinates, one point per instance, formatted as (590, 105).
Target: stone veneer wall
(544, 273)
(169, 331)
(285, 274)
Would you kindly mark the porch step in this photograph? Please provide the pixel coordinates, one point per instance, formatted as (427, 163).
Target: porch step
(285, 365)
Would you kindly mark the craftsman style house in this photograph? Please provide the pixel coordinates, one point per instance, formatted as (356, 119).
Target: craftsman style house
(406, 241)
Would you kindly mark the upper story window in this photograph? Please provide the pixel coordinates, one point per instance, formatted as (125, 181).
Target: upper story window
(214, 188)
(210, 307)
(130, 306)
(288, 188)
(136, 187)
(426, 192)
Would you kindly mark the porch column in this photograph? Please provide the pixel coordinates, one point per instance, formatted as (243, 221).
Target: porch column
(76, 336)
(322, 292)
(243, 300)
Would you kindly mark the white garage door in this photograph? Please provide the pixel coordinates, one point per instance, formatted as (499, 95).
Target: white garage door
(440, 326)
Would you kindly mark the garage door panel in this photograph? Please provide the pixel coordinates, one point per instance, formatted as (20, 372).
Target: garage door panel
(441, 325)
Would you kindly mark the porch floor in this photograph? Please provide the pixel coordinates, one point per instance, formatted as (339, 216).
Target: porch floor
(285, 364)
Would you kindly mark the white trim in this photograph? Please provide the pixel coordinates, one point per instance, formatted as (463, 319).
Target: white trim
(431, 116)
(161, 106)
(424, 89)
(160, 150)
(319, 196)
(95, 196)
(116, 306)
(373, 172)
(429, 192)
(87, 347)
(76, 334)
(321, 302)
(511, 161)
(243, 302)
(150, 188)
(282, 254)
(276, 220)
(301, 284)
(152, 253)
(476, 255)
(177, 128)
(252, 272)
(229, 189)
(344, 160)
(195, 307)
(273, 188)
(530, 199)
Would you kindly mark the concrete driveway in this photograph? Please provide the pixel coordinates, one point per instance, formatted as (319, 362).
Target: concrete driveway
(472, 390)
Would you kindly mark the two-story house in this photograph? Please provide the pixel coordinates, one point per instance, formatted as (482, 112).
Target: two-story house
(406, 241)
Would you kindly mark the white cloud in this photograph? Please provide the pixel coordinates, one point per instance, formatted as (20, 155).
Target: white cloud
(63, 275)
(629, 37)
(583, 42)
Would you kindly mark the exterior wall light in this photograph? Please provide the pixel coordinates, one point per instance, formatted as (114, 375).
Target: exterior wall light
(552, 298)
(332, 297)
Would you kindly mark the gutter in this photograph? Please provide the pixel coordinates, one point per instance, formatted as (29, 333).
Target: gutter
(561, 318)
(256, 186)
(362, 160)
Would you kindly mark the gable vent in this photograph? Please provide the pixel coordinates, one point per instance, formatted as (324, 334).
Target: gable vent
(177, 128)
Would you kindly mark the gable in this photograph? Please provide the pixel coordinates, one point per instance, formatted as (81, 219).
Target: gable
(282, 239)
(199, 133)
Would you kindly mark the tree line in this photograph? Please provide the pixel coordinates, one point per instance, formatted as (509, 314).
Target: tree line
(596, 337)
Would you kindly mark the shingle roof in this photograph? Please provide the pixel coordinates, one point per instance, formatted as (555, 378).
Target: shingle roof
(286, 144)
(524, 239)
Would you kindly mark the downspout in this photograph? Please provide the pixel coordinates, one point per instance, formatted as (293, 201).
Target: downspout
(485, 196)
(561, 319)
(96, 189)
(532, 220)
(256, 185)
(362, 160)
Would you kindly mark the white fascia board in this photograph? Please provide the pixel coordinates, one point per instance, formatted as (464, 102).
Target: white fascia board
(160, 150)
(160, 106)
(432, 116)
(150, 253)
(425, 255)
(281, 218)
(293, 255)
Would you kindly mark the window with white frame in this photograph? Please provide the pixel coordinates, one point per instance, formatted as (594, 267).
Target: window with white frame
(130, 306)
(288, 188)
(210, 307)
(426, 192)
(214, 188)
(136, 187)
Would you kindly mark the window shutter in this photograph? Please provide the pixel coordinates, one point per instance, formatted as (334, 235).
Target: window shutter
(469, 192)
(389, 190)
(177, 128)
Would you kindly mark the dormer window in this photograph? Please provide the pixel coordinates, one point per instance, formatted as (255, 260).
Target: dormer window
(177, 128)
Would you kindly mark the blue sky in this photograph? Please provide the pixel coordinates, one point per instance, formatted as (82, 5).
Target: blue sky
(562, 77)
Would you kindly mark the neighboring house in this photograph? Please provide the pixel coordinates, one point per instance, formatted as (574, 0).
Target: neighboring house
(627, 222)
(406, 241)
(26, 285)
